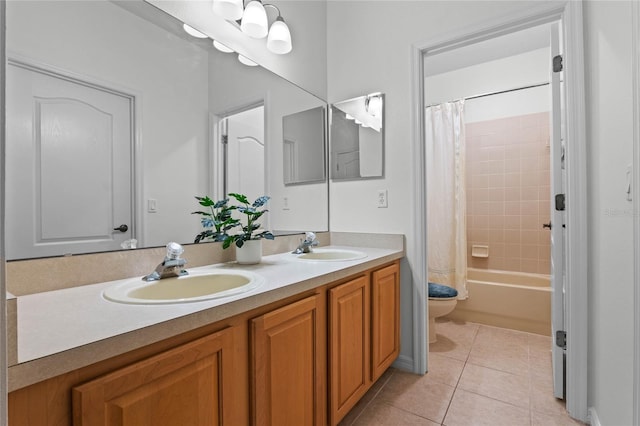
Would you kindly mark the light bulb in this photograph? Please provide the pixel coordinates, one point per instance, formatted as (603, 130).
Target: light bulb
(230, 10)
(254, 21)
(374, 106)
(279, 40)
(246, 61)
(193, 32)
(221, 47)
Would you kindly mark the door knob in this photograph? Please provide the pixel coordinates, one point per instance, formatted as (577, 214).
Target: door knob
(122, 228)
(546, 225)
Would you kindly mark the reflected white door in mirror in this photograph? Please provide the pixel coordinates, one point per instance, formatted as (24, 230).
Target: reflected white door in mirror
(69, 165)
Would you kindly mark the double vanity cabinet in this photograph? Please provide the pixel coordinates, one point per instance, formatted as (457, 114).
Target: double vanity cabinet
(304, 360)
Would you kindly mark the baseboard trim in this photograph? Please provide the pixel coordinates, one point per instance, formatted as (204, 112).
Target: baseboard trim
(404, 363)
(593, 417)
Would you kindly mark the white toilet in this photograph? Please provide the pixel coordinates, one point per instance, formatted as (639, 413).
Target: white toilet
(442, 300)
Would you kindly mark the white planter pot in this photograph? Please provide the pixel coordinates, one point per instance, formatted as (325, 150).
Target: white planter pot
(250, 253)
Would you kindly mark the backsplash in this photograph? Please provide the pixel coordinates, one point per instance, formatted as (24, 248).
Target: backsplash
(55, 273)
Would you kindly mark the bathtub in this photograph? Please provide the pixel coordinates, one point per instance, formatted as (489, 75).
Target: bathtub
(514, 300)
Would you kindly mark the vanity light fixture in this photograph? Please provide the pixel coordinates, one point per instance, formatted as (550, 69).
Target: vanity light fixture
(279, 40)
(193, 32)
(231, 10)
(254, 22)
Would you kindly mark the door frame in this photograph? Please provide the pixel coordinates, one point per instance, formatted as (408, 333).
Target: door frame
(570, 14)
(3, 287)
(635, 186)
(216, 148)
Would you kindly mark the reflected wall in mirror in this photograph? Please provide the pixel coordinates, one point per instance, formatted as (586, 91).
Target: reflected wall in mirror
(357, 138)
(86, 73)
(303, 147)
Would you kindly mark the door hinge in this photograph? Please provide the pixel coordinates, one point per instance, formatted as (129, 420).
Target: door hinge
(561, 339)
(225, 139)
(557, 63)
(560, 205)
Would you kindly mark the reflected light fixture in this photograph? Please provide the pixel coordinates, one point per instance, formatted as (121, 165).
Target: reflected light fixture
(254, 22)
(221, 47)
(193, 32)
(246, 61)
(373, 104)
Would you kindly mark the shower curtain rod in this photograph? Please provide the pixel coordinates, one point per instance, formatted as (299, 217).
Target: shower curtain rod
(495, 93)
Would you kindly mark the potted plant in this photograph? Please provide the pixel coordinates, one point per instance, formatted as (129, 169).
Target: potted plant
(219, 222)
(216, 221)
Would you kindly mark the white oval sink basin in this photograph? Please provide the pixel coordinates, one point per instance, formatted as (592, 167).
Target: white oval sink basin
(332, 255)
(195, 287)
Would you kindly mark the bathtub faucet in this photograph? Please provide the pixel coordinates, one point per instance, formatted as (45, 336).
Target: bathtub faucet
(171, 266)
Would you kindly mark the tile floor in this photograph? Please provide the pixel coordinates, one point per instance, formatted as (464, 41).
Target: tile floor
(478, 375)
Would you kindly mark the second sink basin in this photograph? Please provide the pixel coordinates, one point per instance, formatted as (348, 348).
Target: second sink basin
(330, 254)
(195, 287)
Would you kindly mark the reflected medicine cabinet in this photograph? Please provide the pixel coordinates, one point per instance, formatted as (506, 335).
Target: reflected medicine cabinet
(357, 138)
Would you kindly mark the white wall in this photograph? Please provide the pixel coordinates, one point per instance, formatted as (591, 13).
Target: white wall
(364, 61)
(521, 70)
(79, 37)
(608, 38)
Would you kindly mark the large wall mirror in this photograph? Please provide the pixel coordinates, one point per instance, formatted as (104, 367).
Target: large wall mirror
(82, 75)
(357, 138)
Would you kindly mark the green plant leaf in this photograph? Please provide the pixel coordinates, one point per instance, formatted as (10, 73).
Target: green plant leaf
(205, 201)
(241, 198)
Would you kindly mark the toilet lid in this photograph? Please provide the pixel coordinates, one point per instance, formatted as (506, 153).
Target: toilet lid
(441, 291)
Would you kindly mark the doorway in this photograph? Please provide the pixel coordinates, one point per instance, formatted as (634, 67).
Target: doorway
(500, 184)
(569, 14)
(239, 153)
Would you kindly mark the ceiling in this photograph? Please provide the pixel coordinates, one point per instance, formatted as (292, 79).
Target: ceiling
(496, 48)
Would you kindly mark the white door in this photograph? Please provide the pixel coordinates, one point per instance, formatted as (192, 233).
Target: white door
(245, 153)
(68, 168)
(557, 221)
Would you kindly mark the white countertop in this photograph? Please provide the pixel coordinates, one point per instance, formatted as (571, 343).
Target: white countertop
(53, 322)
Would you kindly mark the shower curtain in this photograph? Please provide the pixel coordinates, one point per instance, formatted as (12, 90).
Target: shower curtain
(446, 196)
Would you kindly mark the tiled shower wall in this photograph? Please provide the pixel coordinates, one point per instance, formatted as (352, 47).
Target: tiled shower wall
(508, 198)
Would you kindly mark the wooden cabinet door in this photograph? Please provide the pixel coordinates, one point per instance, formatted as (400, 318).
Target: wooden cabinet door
(188, 385)
(385, 318)
(287, 370)
(349, 347)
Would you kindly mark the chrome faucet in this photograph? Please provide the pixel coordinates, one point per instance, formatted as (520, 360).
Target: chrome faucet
(306, 244)
(171, 266)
